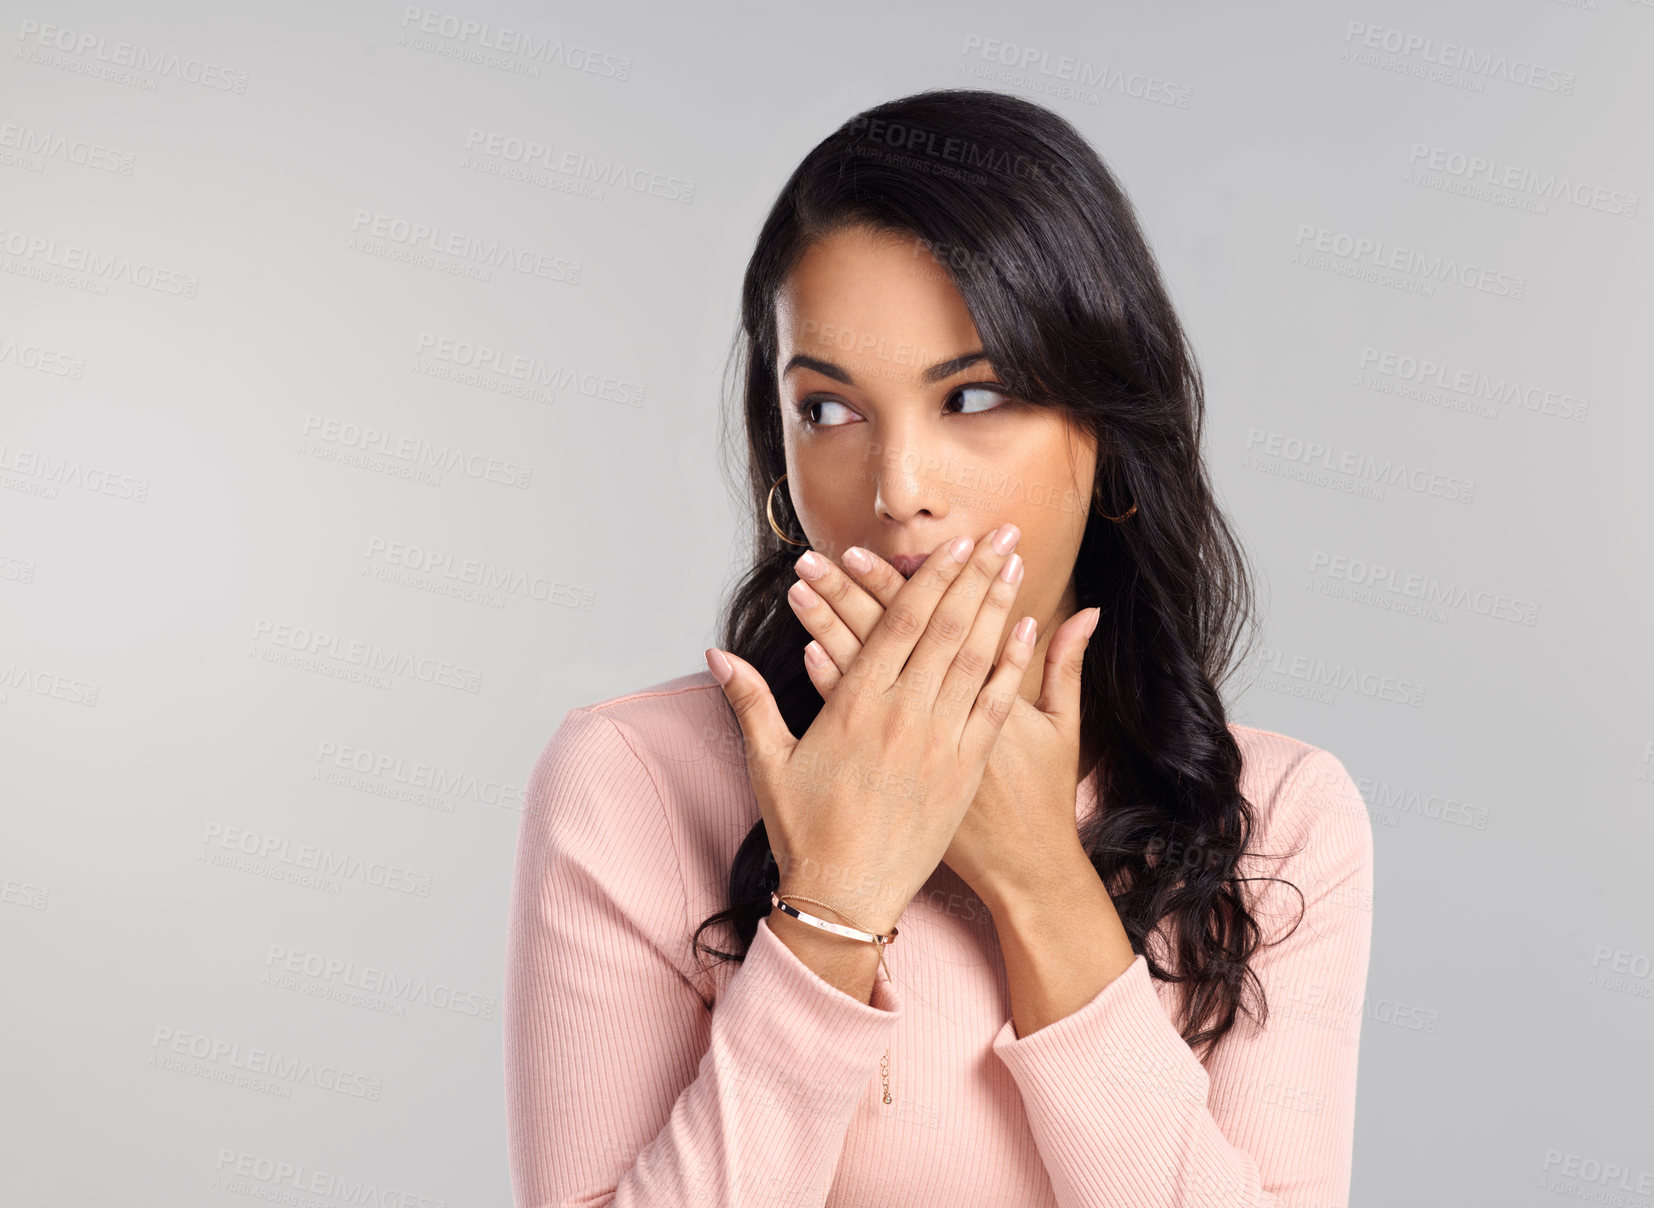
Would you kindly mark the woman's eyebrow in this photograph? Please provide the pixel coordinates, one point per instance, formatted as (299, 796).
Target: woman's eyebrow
(938, 372)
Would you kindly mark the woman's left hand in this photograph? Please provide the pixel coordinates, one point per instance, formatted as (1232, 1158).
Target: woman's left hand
(1021, 825)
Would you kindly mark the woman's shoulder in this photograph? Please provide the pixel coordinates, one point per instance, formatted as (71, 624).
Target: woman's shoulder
(664, 707)
(1304, 798)
(683, 720)
(675, 743)
(1310, 858)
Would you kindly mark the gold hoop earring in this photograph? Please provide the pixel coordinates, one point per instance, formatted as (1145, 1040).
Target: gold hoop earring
(1126, 515)
(769, 510)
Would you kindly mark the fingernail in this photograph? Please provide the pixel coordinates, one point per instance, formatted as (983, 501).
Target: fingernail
(814, 654)
(811, 565)
(1025, 630)
(719, 665)
(1096, 615)
(960, 548)
(856, 559)
(802, 595)
(1005, 538)
(1011, 572)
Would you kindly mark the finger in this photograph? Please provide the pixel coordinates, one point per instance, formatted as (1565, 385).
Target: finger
(1059, 695)
(823, 674)
(859, 610)
(824, 622)
(889, 646)
(963, 679)
(999, 694)
(876, 576)
(767, 739)
(943, 642)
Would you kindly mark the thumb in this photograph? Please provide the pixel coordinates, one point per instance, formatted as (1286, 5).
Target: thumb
(1059, 697)
(768, 741)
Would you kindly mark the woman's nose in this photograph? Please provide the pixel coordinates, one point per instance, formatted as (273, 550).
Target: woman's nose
(910, 481)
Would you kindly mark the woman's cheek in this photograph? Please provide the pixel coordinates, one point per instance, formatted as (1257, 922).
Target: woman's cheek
(1040, 559)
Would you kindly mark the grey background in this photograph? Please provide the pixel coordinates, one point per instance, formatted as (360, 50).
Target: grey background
(192, 327)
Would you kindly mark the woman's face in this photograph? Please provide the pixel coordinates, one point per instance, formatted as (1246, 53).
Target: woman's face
(909, 447)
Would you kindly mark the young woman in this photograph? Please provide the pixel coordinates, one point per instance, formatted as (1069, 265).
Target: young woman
(1004, 910)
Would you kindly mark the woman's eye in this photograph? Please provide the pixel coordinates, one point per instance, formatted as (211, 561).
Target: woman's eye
(809, 405)
(820, 412)
(965, 391)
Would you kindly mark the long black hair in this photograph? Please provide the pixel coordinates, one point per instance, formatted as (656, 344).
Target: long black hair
(1046, 252)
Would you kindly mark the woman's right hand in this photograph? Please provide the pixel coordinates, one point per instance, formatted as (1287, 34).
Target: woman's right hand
(861, 809)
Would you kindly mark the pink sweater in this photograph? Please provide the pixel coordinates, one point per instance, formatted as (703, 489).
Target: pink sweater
(634, 1079)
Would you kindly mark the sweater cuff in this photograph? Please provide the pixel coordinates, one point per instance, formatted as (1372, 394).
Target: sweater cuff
(805, 1032)
(1110, 1053)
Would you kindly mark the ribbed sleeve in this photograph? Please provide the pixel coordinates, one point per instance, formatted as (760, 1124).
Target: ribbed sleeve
(1124, 1113)
(623, 1086)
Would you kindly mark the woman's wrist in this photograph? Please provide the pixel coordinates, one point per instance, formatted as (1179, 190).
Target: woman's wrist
(850, 965)
(866, 906)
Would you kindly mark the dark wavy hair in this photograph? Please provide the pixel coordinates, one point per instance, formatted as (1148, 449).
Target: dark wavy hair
(1045, 250)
